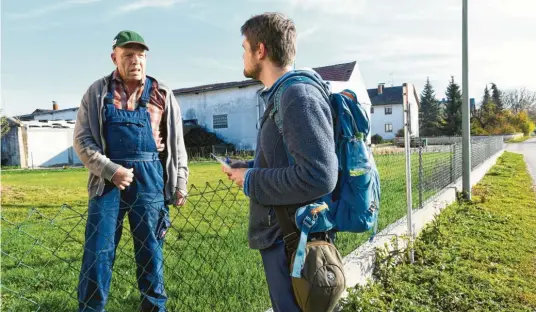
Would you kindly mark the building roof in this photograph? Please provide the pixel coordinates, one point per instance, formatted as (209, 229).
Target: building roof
(390, 95)
(67, 123)
(40, 111)
(49, 123)
(217, 86)
(338, 72)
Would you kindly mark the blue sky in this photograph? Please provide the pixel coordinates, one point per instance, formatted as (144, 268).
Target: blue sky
(52, 50)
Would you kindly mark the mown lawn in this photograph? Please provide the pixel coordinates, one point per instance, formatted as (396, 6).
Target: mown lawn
(208, 265)
(476, 256)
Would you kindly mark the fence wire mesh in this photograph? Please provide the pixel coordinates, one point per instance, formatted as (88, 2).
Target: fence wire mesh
(207, 265)
(435, 167)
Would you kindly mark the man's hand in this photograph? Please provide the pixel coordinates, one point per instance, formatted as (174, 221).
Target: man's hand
(237, 175)
(234, 163)
(180, 199)
(123, 177)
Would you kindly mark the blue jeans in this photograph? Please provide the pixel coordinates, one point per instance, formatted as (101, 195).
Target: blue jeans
(148, 219)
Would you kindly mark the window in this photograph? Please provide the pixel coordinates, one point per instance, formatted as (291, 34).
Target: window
(388, 110)
(372, 110)
(219, 121)
(388, 127)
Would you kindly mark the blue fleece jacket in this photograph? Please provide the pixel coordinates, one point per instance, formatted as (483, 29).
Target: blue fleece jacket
(271, 181)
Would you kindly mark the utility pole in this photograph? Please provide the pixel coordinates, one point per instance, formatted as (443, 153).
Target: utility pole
(466, 126)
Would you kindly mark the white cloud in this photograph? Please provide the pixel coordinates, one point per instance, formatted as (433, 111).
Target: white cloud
(49, 9)
(331, 7)
(303, 35)
(142, 4)
(216, 63)
(400, 48)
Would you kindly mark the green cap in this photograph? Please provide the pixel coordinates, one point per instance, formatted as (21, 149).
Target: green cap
(128, 36)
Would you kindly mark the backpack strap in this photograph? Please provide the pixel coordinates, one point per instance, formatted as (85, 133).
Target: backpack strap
(291, 235)
(294, 240)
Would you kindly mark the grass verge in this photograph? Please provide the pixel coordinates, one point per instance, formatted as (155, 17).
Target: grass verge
(519, 140)
(476, 256)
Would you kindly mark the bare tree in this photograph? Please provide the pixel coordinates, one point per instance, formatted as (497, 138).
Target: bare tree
(519, 100)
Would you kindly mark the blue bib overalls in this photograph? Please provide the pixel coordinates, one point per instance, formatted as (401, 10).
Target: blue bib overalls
(130, 143)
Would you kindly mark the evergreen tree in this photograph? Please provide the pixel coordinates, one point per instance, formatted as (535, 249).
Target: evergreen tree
(485, 116)
(486, 98)
(429, 113)
(496, 97)
(453, 112)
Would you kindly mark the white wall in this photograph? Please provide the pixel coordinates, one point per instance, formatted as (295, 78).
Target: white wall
(48, 147)
(240, 105)
(70, 114)
(379, 119)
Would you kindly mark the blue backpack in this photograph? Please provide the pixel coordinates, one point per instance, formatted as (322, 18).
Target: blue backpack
(354, 204)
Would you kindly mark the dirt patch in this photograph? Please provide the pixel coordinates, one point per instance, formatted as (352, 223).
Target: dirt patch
(11, 193)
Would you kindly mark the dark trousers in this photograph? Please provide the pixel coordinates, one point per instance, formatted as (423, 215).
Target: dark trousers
(276, 268)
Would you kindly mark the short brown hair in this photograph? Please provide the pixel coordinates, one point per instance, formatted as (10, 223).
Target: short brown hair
(276, 32)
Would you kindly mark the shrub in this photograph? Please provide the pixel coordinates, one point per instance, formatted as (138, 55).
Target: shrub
(376, 139)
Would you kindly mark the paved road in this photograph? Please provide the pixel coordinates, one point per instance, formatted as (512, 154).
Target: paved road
(528, 149)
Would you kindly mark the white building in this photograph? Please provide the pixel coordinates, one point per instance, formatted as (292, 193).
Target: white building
(232, 109)
(387, 113)
(31, 144)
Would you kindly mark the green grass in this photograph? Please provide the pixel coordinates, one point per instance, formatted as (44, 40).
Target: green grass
(209, 266)
(476, 256)
(519, 140)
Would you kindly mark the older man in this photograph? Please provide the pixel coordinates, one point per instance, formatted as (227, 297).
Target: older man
(129, 135)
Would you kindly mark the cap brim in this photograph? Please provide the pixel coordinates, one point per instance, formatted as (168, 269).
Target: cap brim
(132, 42)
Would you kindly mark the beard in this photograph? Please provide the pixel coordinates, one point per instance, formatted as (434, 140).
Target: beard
(254, 73)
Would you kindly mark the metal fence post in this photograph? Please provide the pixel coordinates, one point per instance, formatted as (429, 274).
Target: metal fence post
(452, 151)
(421, 176)
(407, 148)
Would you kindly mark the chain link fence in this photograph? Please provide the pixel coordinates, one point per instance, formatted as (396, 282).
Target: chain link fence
(435, 167)
(207, 265)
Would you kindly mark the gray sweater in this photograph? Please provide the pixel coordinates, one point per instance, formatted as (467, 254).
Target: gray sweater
(308, 131)
(90, 146)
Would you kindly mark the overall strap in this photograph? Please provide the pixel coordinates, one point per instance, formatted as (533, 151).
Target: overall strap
(146, 95)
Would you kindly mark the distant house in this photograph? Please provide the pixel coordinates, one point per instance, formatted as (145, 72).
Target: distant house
(232, 109)
(387, 113)
(50, 114)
